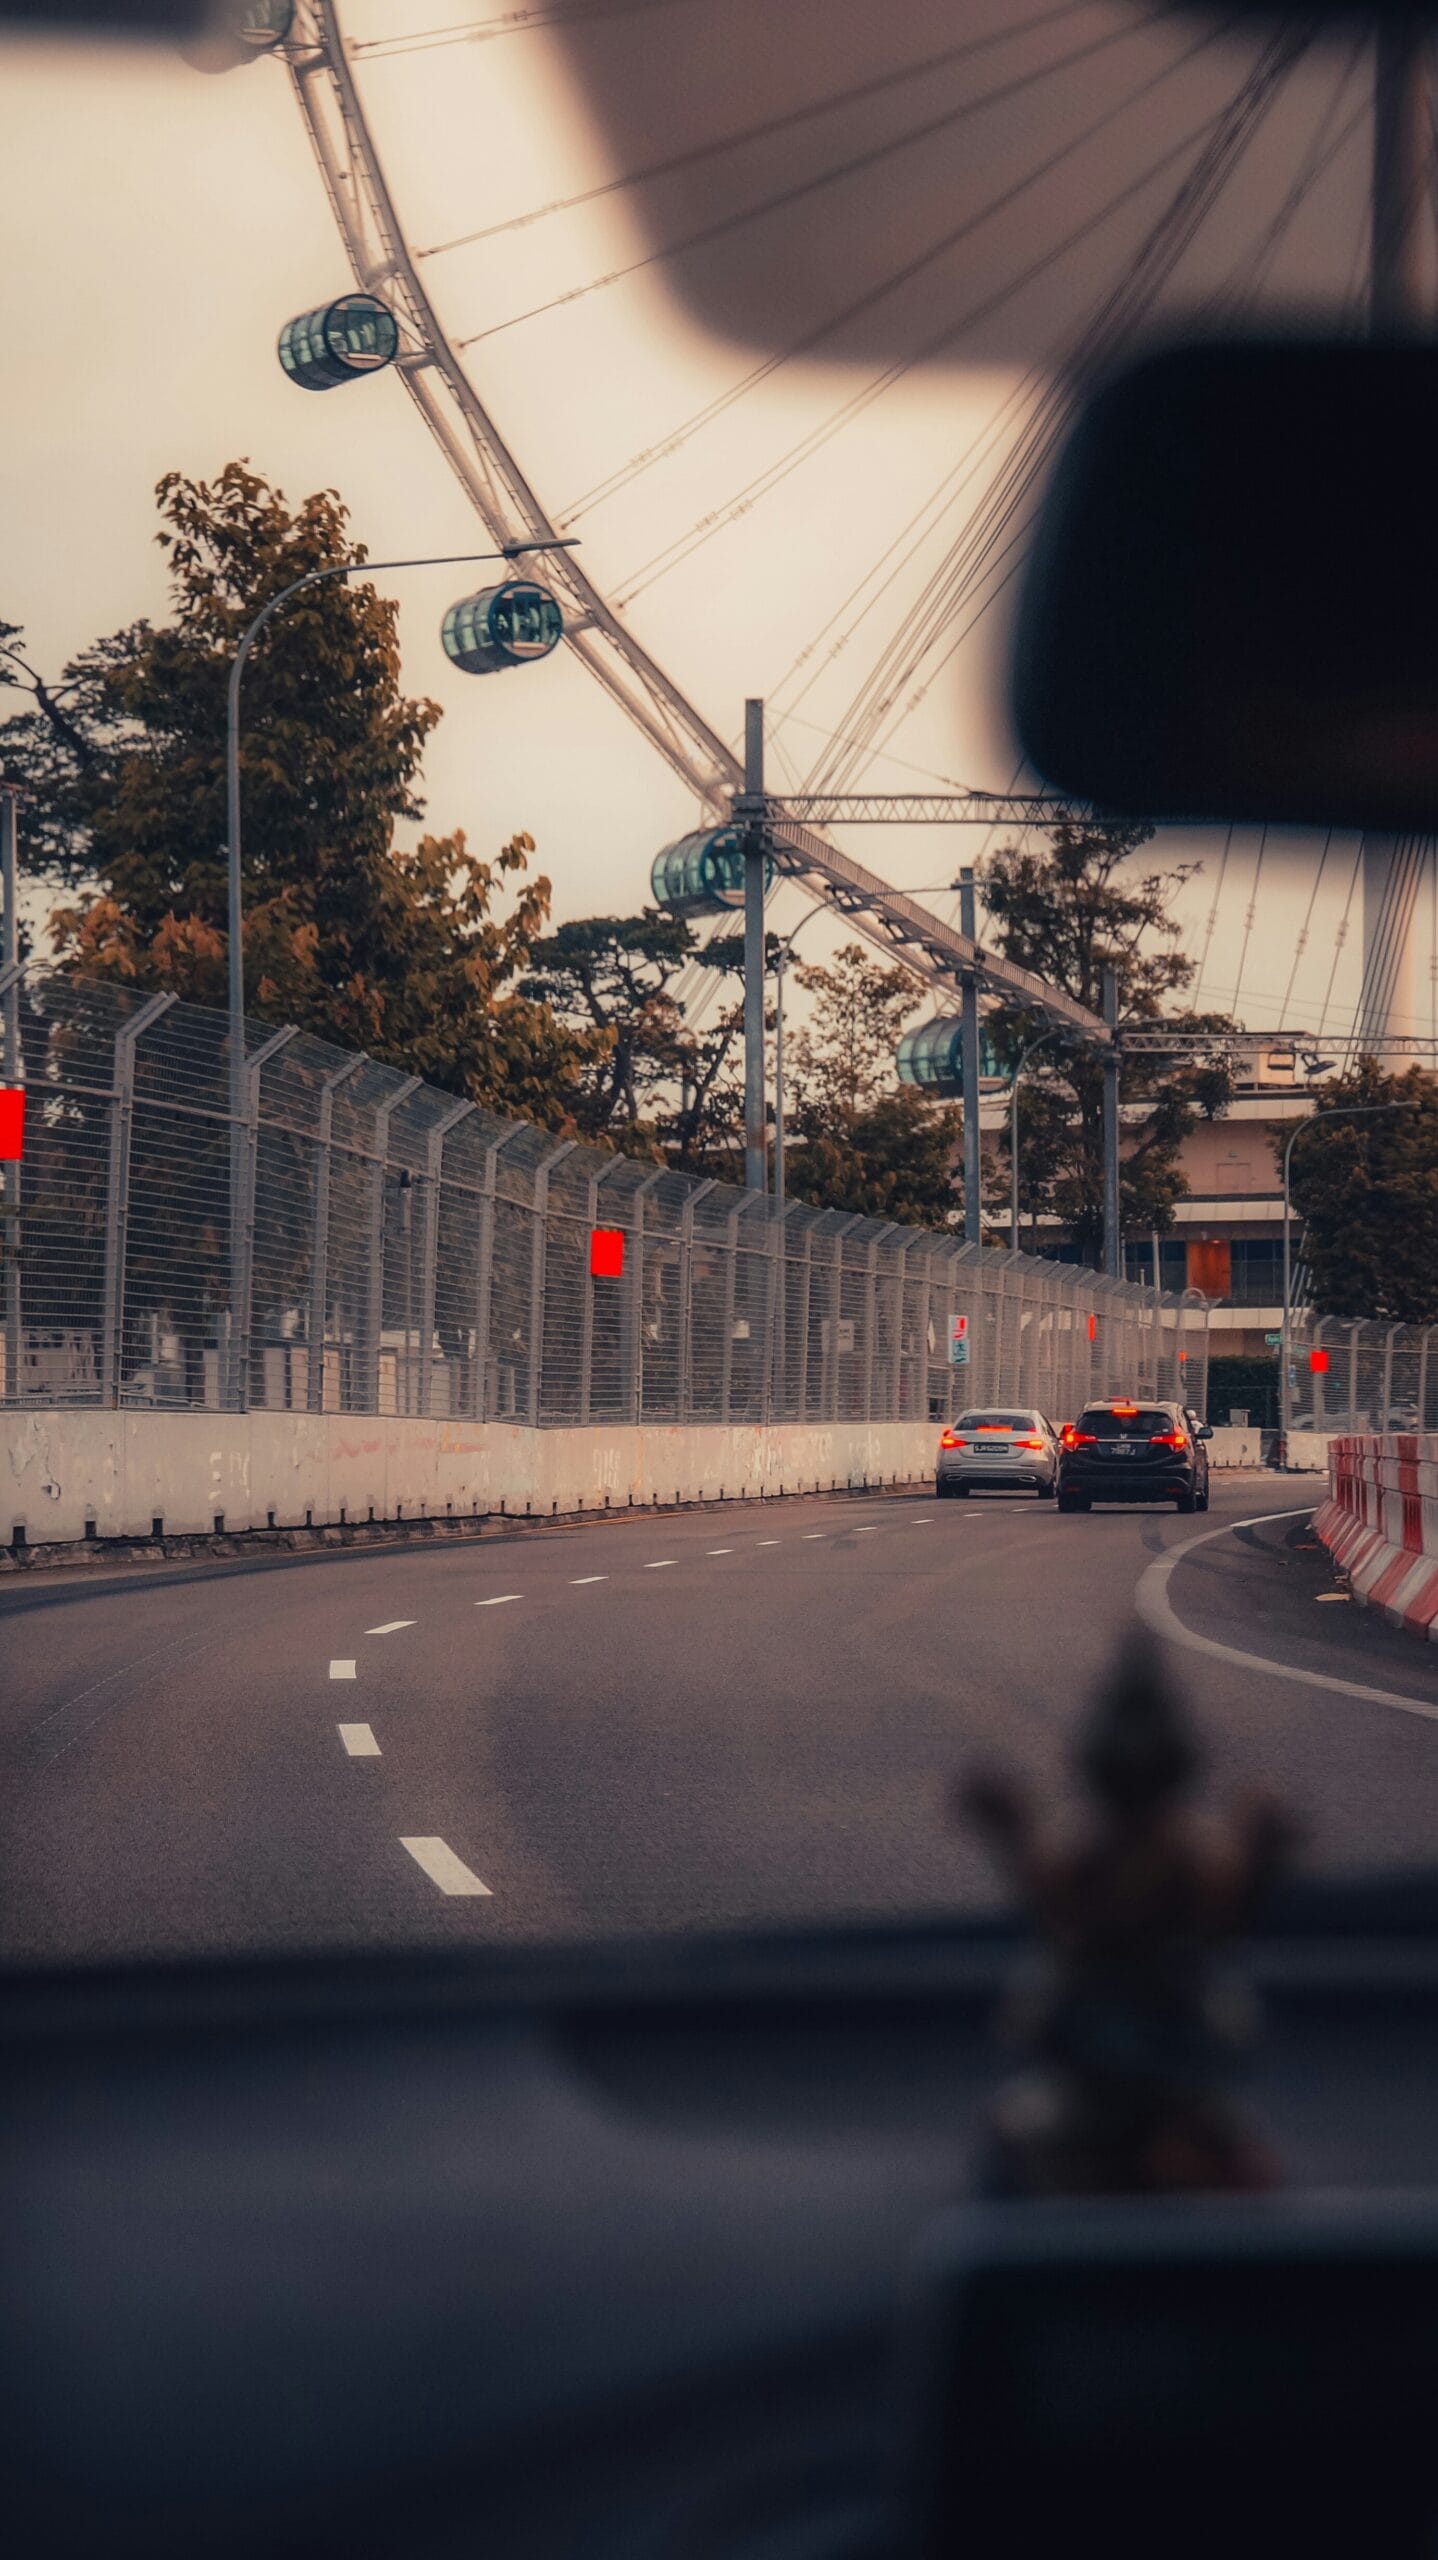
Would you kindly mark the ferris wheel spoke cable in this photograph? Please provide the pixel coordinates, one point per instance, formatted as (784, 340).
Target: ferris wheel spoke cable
(1017, 483)
(1340, 935)
(859, 93)
(684, 545)
(856, 165)
(1301, 944)
(678, 436)
(513, 22)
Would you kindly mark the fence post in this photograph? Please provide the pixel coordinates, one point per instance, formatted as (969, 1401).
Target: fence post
(243, 1259)
(429, 1241)
(726, 1353)
(1387, 1405)
(896, 1387)
(685, 1388)
(636, 1296)
(320, 1237)
(586, 1316)
(836, 1300)
(117, 1192)
(805, 1287)
(484, 1264)
(1423, 1334)
(374, 1289)
(538, 1247)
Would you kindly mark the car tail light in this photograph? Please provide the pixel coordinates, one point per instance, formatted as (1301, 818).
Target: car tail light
(1073, 1439)
(949, 1440)
(1169, 1440)
(1028, 1444)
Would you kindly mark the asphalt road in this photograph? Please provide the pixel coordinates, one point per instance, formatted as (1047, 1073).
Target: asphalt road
(658, 1723)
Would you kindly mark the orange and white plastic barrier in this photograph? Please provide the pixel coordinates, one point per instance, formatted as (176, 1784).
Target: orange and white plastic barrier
(1380, 1524)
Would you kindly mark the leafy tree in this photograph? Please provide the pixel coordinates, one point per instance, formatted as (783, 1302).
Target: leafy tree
(401, 953)
(1367, 1193)
(866, 1143)
(1069, 910)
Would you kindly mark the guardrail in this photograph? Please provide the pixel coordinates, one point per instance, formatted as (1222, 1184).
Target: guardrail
(360, 1242)
(1380, 1524)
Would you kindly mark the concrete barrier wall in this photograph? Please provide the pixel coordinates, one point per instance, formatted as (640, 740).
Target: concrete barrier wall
(66, 1476)
(1306, 1452)
(1380, 1524)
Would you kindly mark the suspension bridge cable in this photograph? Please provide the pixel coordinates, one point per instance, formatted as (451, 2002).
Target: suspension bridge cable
(855, 166)
(859, 93)
(626, 473)
(683, 545)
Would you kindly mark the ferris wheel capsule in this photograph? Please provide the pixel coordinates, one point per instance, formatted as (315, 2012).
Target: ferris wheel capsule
(932, 1057)
(702, 874)
(241, 31)
(354, 334)
(504, 626)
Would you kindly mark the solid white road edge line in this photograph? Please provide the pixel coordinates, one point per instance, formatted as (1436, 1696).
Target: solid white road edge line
(391, 1626)
(1152, 1604)
(442, 1866)
(359, 1741)
(342, 1671)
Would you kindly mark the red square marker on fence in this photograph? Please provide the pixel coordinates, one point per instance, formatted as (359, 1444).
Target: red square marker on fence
(12, 1123)
(1318, 1362)
(606, 1253)
(1093, 1328)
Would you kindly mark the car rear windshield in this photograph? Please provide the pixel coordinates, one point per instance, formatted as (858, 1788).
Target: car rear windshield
(1105, 1424)
(995, 1422)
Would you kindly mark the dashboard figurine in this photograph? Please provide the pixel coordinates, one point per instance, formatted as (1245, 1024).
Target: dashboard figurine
(1131, 2034)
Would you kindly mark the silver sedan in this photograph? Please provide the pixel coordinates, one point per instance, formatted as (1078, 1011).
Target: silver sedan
(1005, 1446)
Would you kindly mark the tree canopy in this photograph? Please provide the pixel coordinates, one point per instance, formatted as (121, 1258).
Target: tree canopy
(405, 953)
(866, 1143)
(1070, 909)
(1366, 1192)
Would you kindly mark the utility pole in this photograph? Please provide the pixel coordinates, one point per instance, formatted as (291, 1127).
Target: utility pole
(755, 853)
(1112, 1240)
(10, 970)
(969, 1065)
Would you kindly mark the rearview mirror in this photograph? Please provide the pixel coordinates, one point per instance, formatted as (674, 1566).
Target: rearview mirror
(1230, 608)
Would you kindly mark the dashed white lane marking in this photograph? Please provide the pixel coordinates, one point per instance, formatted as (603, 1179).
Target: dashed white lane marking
(391, 1627)
(499, 1599)
(659, 1564)
(342, 1671)
(1153, 1605)
(578, 1578)
(815, 1533)
(921, 1520)
(864, 1528)
(359, 1741)
(442, 1866)
(767, 1542)
(718, 1551)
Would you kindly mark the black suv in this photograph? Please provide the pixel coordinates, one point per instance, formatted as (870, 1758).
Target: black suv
(1133, 1452)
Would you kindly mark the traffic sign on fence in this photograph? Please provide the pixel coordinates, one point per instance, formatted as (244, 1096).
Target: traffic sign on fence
(958, 1342)
(1274, 1341)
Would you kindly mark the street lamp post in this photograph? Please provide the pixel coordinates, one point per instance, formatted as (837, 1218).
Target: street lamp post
(234, 893)
(1024, 1057)
(1336, 1111)
(780, 965)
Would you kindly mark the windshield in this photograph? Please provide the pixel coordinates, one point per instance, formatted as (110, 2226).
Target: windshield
(513, 853)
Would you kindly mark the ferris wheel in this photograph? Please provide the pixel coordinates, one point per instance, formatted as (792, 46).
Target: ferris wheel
(1121, 163)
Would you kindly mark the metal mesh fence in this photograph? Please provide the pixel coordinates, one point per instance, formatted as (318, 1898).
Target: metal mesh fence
(1347, 1375)
(354, 1241)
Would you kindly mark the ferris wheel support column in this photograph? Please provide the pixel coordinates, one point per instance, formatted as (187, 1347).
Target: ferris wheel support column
(1402, 149)
(755, 849)
(970, 1069)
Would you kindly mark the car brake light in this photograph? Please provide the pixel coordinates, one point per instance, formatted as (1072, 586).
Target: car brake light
(1028, 1444)
(1168, 1440)
(1123, 1408)
(948, 1441)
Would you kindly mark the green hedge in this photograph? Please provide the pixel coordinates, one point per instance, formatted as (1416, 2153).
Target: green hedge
(1250, 1381)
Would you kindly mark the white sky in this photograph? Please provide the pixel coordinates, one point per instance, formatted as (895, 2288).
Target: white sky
(164, 223)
